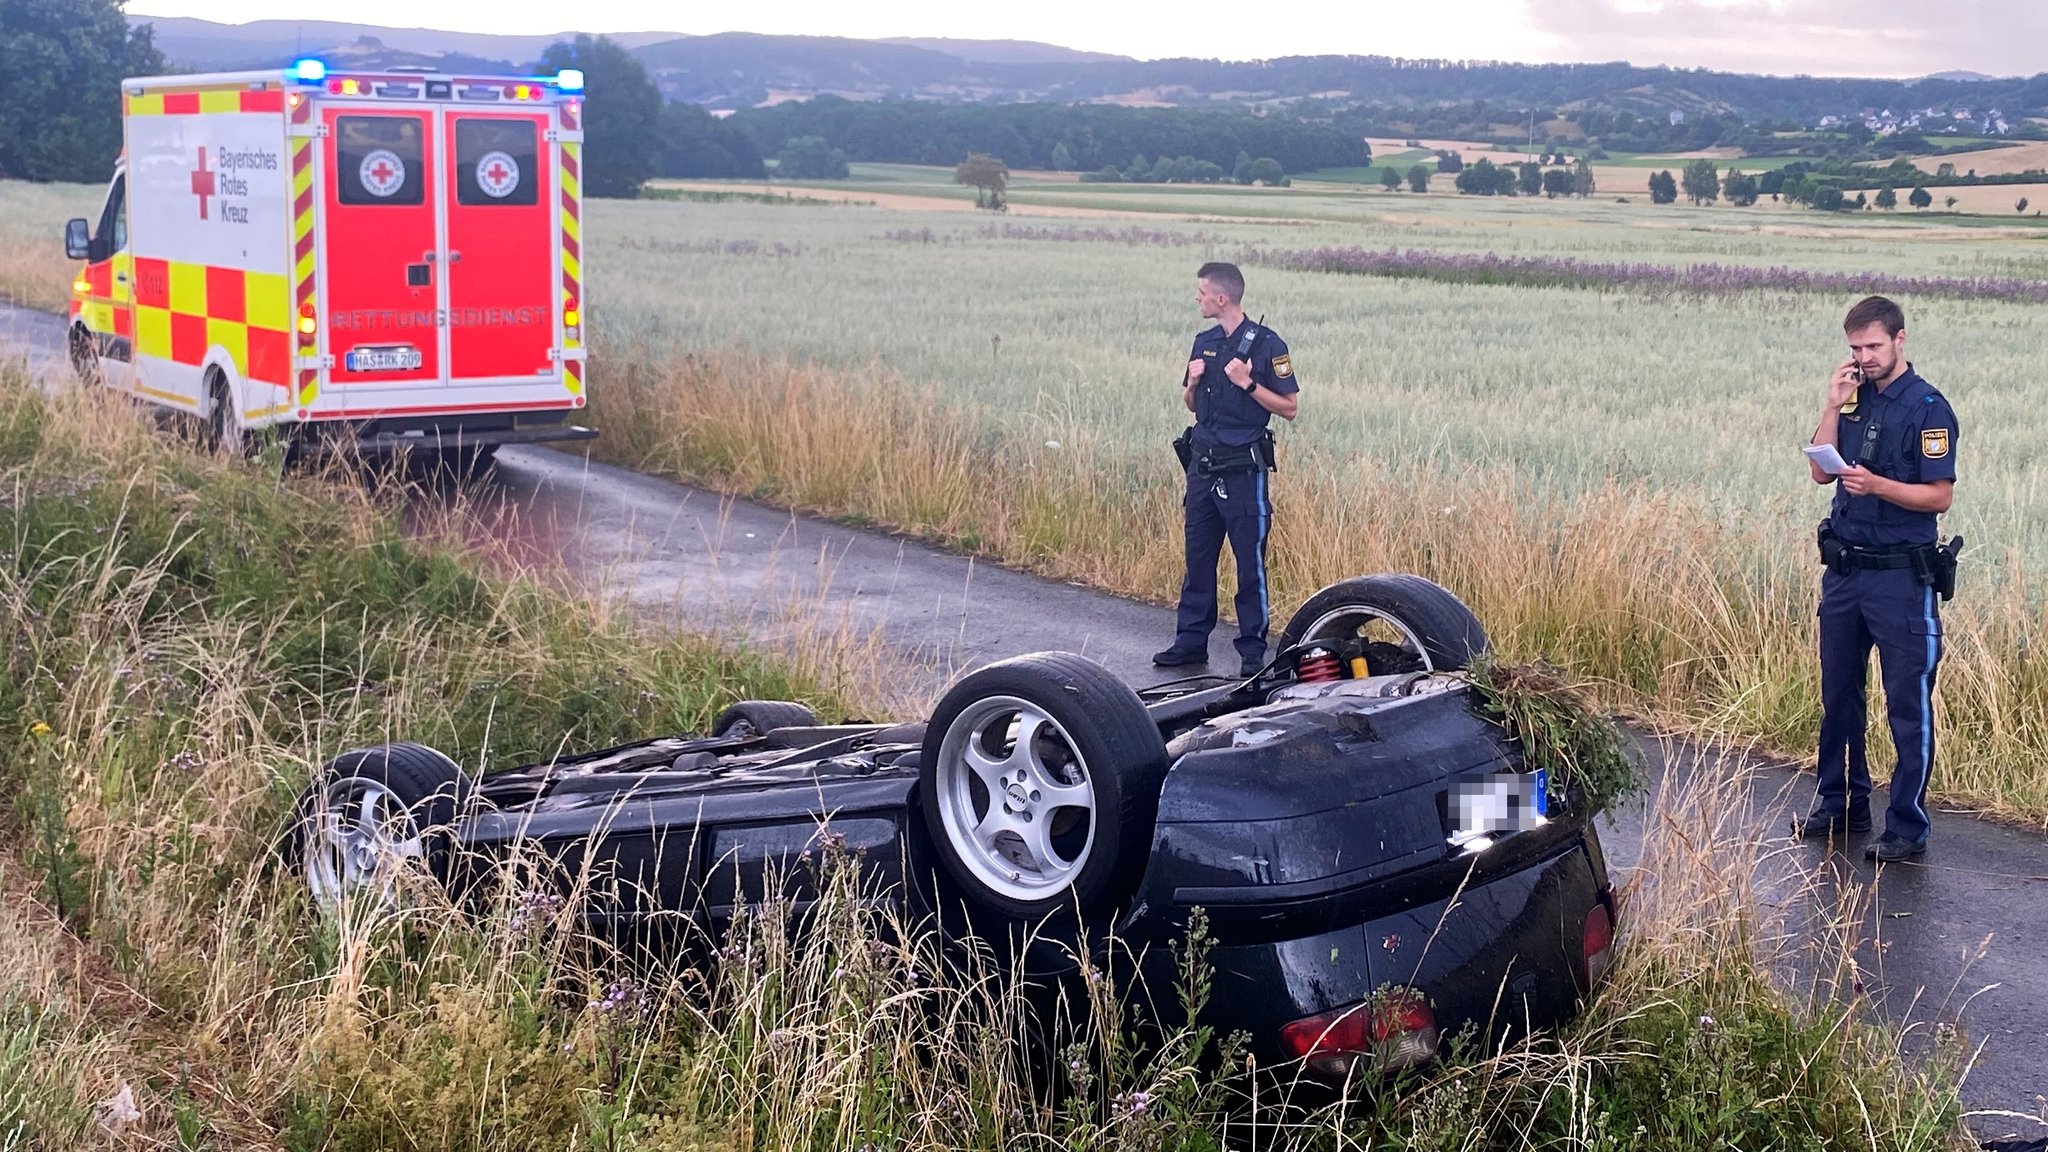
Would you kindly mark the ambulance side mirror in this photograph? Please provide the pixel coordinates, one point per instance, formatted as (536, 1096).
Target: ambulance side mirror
(77, 239)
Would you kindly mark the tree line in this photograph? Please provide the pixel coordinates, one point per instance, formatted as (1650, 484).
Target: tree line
(1825, 186)
(60, 88)
(1061, 137)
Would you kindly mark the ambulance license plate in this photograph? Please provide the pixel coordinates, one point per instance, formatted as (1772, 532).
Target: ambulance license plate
(391, 358)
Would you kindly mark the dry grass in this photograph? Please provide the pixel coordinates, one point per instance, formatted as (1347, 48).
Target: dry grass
(34, 272)
(1679, 617)
(2022, 156)
(191, 636)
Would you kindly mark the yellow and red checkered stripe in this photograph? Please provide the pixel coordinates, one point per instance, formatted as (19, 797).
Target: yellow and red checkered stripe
(182, 310)
(187, 102)
(99, 307)
(572, 248)
(303, 248)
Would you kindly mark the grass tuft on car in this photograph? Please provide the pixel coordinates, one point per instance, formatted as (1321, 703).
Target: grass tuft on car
(1559, 732)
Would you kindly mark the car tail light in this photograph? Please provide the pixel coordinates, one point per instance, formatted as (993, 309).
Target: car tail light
(1596, 949)
(1394, 1030)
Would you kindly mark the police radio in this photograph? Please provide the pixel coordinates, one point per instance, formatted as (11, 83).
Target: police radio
(1250, 339)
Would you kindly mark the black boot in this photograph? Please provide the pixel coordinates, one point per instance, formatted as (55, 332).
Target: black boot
(1176, 656)
(1823, 823)
(1890, 848)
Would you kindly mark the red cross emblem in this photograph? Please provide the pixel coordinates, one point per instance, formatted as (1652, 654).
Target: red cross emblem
(382, 173)
(497, 173)
(202, 183)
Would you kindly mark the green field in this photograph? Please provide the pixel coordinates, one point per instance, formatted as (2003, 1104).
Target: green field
(1539, 405)
(1469, 424)
(1609, 477)
(1750, 164)
(1567, 388)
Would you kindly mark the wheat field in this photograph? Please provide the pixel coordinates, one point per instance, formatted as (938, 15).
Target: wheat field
(1489, 435)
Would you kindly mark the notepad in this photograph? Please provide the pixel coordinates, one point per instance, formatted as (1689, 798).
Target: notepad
(1829, 460)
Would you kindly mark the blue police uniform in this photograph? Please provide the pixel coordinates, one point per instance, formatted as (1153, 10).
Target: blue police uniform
(1875, 597)
(1225, 498)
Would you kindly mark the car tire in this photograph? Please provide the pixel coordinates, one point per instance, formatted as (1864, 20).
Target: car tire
(85, 357)
(224, 431)
(990, 801)
(763, 717)
(1438, 630)
(373, 807)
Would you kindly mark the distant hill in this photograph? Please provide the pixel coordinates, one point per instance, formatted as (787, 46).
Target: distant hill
(205, 45)
(1004, 51)
(738, 70)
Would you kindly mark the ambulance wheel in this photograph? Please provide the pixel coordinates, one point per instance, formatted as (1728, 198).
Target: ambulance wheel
(224, 431)
(85, 359)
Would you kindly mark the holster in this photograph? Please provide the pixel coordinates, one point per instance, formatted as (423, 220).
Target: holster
(1833, 553)
(1184, 448)
(1944, 564)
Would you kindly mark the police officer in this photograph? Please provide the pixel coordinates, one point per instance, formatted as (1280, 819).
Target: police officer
(1239, 377)
(1884, 570)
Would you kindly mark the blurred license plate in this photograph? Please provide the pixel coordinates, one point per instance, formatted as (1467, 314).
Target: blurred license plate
(1497, 803)
(396, 358)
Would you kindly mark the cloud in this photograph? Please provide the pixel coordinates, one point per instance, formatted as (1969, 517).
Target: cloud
(1819, 37)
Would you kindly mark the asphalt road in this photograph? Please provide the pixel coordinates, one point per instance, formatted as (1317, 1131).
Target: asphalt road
(1961, 937)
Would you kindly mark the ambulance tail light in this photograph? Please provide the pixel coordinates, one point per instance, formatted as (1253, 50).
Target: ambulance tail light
(572, 316)
(309, 323)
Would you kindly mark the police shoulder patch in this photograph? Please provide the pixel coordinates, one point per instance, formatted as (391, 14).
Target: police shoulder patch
(1934, 443)
(1282, 366)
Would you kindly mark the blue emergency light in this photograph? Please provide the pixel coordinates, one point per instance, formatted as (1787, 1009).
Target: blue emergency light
(308, 71)
(570, 80)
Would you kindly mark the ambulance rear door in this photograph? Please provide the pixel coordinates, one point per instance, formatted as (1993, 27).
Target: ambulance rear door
(501, 260)
(382, 268)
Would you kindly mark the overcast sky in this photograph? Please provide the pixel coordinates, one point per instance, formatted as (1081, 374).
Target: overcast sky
(1819, 37)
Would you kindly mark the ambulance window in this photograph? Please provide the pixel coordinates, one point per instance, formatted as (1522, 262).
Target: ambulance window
(379, 160)
(113, 229)
(496, 161)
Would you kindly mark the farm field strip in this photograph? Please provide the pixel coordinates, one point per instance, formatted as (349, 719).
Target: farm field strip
(1532, 403)
(1458, 429)
(1712, 395)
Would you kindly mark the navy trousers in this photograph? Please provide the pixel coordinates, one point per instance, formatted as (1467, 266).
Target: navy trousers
(1233, 506)
(1890, 610)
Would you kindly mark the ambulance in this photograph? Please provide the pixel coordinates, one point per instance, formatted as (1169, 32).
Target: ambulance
(361, 261)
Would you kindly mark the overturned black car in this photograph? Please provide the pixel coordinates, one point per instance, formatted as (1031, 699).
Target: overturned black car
(1377, 863)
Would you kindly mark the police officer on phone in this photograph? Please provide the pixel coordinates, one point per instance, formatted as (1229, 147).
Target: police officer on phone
(1886, 576)
(1238, 378)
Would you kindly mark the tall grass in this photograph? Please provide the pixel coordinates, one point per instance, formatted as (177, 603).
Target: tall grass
(34, 272)
(1683, 618)
(191, 636)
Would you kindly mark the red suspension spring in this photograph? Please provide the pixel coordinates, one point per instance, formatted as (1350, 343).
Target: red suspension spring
(1317, 666)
